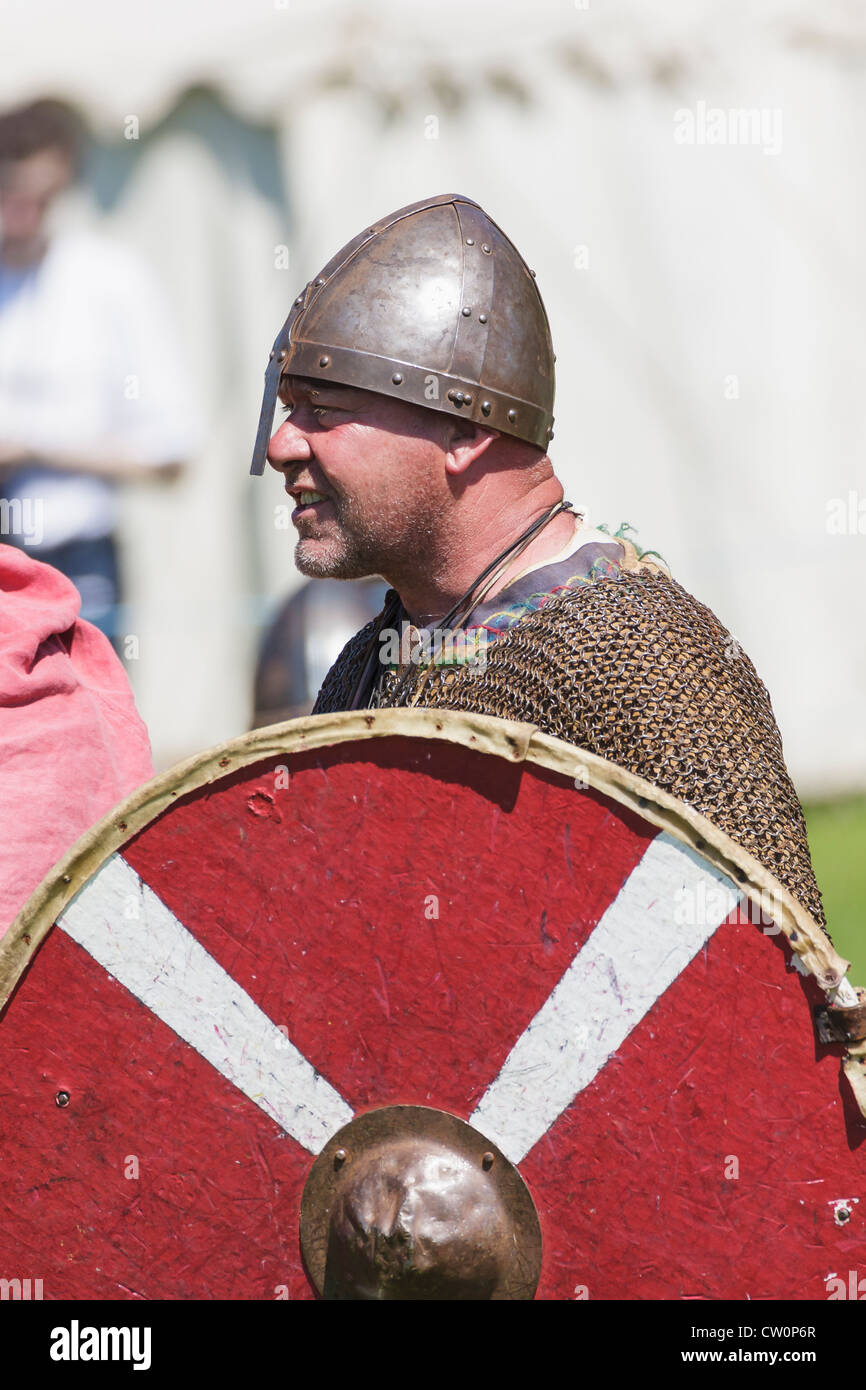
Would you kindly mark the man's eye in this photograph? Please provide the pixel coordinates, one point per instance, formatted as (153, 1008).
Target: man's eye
(318, 410)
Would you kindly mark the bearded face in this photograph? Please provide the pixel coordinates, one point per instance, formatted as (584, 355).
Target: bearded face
(366, 476)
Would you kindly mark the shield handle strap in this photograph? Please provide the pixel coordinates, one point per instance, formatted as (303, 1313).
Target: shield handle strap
(846, 1023)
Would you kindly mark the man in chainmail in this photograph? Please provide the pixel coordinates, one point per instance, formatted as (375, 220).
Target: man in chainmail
(416, 372)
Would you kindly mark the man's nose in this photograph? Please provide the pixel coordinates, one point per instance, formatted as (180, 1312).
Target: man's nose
(288, 445)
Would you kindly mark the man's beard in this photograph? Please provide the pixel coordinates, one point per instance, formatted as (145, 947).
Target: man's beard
(338, 558)
(359, 548)
(349, 553)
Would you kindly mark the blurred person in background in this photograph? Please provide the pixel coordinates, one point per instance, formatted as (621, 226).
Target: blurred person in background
(91, 389)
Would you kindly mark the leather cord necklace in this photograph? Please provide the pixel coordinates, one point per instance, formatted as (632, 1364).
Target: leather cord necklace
(456, 616)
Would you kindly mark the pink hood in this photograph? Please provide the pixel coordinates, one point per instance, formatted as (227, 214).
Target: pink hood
(71, 741)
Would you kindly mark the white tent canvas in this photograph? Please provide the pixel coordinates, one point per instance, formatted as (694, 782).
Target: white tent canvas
(684, 180)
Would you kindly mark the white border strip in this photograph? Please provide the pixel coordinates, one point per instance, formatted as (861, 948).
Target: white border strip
(124, 926)
(639, 947)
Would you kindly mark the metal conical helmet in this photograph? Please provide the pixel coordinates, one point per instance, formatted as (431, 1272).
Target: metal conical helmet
(433, 305)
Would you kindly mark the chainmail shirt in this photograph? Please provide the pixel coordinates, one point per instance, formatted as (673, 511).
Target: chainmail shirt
(624, 662)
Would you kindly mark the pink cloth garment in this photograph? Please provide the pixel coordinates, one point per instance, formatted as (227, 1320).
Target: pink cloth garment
(72, 743)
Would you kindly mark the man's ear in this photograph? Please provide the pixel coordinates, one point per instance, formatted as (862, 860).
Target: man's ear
(464, 443)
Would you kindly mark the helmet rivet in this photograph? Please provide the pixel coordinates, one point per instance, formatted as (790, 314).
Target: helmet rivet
(282, 354)
(456, 396)
(485, 407)
(320, 280)
(486, 249)
(300, 299)
(487, 1161)
(467, 400)
(532, 273)
(482, 318)
(324, 361)
(466, 311)
(512, 416)
(397, 378)
(470, 241)
(271, 355)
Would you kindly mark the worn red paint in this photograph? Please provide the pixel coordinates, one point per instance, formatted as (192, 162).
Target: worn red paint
(319, 908)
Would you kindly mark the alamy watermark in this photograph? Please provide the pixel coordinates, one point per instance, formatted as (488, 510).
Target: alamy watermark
(24, 517)
(21, 1290)
(846, 516)
(848, 1286)
(77, 1343)
(744, 125)
(704, 906)
(441, 646)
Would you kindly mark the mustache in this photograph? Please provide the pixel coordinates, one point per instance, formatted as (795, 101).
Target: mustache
(319, 482)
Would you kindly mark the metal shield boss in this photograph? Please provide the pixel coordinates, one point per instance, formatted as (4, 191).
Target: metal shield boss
(418, 1005)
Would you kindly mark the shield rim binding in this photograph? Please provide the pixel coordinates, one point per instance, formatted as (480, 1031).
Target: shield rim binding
(509, 739)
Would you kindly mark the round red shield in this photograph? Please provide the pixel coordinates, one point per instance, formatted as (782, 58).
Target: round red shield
(425, 909)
